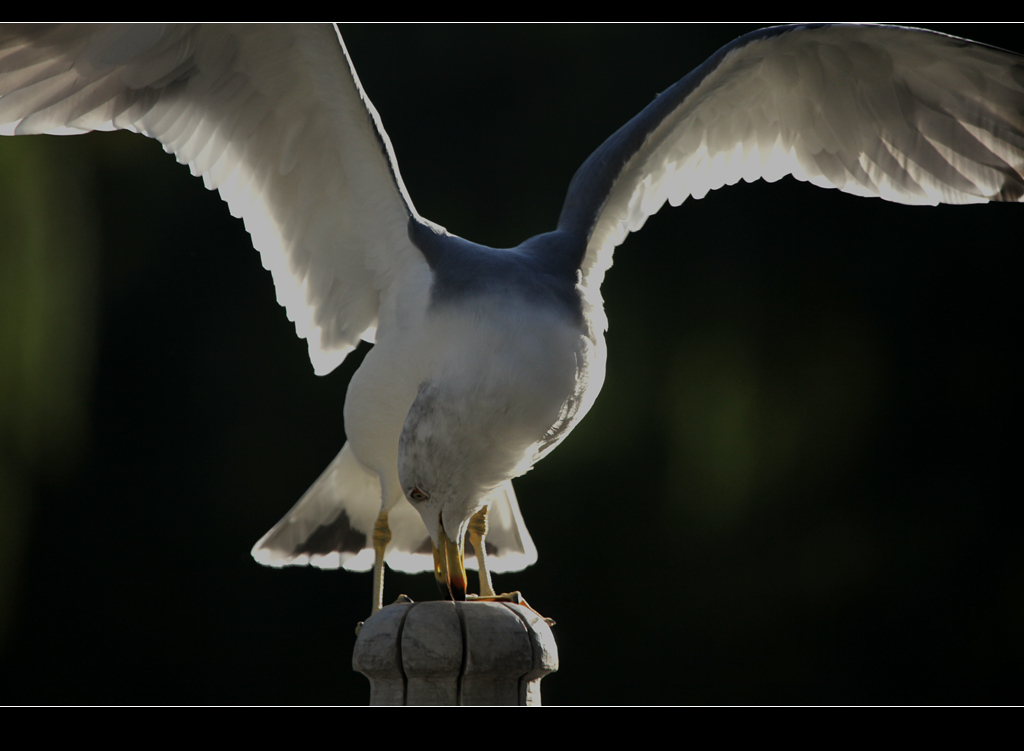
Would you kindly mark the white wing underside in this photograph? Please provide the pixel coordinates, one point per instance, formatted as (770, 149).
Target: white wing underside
(273, 117)
(908, 116)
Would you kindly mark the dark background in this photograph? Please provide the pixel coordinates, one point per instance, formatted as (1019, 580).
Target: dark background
(799, 484)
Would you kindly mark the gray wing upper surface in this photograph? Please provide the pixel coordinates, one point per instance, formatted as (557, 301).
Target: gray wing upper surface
(907, 115)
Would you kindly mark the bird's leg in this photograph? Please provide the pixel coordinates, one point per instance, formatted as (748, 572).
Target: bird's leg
(478, 538)
(381, 538)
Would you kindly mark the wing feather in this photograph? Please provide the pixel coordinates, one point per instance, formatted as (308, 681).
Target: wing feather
(907, 115)
(273, 117)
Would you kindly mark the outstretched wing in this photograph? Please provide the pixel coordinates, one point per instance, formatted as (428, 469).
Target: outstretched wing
(907, 115)
(273, 117)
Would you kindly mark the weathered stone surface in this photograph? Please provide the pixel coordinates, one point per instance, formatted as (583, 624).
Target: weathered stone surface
(455, 653)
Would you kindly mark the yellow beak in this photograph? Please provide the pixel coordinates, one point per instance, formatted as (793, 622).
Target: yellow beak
(449, 568)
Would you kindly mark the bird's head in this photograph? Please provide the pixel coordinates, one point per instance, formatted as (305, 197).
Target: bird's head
(444, 475)
(447, 531)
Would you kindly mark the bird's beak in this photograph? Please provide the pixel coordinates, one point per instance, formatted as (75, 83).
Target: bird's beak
(449, 569)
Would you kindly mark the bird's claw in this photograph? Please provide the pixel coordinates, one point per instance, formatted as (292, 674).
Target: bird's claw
(516, 598)
(401, 599)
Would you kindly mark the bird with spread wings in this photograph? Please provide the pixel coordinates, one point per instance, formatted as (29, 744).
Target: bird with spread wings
(484, 359)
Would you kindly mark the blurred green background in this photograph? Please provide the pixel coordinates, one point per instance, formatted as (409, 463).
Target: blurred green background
(798, 484)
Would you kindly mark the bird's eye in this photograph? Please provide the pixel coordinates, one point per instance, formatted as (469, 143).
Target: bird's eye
(415, 494)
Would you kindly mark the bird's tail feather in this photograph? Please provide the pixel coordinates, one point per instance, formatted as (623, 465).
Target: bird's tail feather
(331, 527)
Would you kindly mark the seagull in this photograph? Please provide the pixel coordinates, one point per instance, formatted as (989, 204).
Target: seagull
(485, 359)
